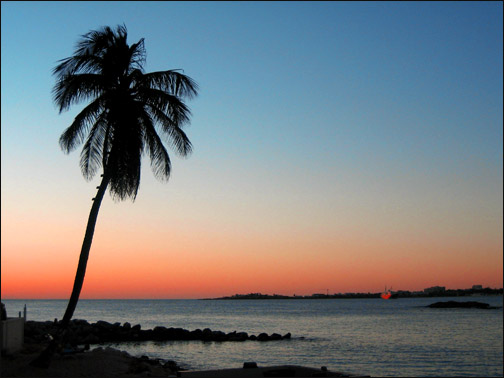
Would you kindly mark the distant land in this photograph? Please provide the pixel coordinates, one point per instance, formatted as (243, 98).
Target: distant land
(436, 291)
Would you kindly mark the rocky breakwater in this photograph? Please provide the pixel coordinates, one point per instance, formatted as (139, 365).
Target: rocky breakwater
(82, 332)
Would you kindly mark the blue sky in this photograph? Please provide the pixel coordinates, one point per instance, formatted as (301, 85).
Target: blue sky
(364, 116)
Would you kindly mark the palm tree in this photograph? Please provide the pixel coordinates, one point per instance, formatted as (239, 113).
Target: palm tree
(128, 113)
(119, 124)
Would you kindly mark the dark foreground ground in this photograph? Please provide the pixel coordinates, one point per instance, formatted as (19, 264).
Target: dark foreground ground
(110, 362)
(96, 363)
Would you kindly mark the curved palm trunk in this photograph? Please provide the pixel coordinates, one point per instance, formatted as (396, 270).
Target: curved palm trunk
(44, 359)
(86, 246)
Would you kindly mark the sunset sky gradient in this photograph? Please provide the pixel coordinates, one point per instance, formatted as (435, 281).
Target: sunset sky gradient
(339, 146)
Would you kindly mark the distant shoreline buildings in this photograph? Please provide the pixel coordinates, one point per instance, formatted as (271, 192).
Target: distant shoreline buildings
(435, 291)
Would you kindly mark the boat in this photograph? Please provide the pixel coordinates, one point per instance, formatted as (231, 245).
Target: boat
(387, 294)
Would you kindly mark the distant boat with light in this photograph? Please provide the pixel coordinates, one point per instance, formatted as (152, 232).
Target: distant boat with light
(387, 294)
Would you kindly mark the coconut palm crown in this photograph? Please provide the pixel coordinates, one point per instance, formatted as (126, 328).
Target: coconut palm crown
(129, 111)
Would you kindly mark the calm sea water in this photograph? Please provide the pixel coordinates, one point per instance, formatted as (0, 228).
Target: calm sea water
(367, 336)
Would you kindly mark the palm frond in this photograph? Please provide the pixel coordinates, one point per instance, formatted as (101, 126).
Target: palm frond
(91, 155)
(89, 55)
(176, 136)
(172, 105)
(125, 172)
(75, 134)
(137, 55)
(160, 160)
(84, 63)
(172, 82)
(124, 161)
(72, 89)
(96, 42)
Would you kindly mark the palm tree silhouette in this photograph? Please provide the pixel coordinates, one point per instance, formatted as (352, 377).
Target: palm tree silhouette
(127, 109)
(119, 124)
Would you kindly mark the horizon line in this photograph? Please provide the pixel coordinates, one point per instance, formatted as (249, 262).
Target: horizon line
(162, 299)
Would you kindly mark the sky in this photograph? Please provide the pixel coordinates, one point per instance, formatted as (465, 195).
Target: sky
(338, 147)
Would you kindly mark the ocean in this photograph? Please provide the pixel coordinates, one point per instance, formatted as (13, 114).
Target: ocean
(374, 337)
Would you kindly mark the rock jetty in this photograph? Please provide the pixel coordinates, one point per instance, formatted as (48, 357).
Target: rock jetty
(82, 332)
(455, 304)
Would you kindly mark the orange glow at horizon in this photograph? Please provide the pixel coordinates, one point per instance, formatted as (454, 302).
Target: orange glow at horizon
(192, 256)
(213, 265)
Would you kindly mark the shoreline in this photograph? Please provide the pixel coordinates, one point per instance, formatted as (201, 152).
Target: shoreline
(396, 294)
(463, 293)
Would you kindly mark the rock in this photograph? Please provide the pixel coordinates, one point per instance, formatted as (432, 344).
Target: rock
(146, 335)
(240, 336)
(197, 334)
(218, 336)
(207, 334)
(102, 323)
(275, 336)
(160, 333)
(91, 339)
(103, 326)
(138, 366)
(81, 332)
(263, 337)
(151, 361)
(180, 334)
(172, 365)
(70, 334)
(80, 322)
(455, 304)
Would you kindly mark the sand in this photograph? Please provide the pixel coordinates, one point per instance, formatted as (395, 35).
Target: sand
(99, 362)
